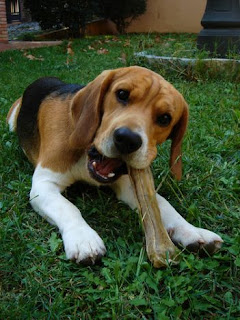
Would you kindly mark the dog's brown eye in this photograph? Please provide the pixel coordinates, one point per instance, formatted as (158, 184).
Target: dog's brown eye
(123, 95)
(164, 120)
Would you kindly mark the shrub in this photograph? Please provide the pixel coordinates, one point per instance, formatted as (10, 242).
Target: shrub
(123, 12)
(47, 13)
(57, 14)
(76, 13)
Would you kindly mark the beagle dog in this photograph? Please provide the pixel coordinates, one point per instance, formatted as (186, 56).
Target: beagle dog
(89, 133)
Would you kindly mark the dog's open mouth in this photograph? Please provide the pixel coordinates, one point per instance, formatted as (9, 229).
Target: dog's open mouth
(103, 169)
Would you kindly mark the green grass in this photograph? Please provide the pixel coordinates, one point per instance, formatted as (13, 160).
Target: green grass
(180, 46)
(37, 282)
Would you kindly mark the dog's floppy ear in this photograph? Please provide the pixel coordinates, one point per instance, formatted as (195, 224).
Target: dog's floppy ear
(86, 110)
(176, 146)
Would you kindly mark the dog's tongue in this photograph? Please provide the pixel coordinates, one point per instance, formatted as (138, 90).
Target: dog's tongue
(107, 166)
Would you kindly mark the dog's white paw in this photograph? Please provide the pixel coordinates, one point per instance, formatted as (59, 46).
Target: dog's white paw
(83, 244)
(195, 239)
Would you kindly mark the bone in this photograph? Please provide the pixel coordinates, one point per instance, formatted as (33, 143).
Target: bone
(160, 249)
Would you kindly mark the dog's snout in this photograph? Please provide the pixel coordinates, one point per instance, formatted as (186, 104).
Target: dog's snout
(126, 141)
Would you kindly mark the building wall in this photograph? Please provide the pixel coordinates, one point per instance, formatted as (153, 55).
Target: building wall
(25, 13)
(170, 16)
(3, 23)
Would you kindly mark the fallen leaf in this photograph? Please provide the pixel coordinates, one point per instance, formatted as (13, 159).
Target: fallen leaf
(102, 51)
(115, 39)
(127, 43)
(123, 57)
(70, 52)
(69, 49)
(32, 57)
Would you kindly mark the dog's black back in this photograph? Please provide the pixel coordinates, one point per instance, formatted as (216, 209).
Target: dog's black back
(32, 99)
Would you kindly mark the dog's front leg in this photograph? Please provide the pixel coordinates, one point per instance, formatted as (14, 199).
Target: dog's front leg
(81, 242)
(180, 231)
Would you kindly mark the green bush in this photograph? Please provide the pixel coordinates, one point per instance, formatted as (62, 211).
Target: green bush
(123, 12)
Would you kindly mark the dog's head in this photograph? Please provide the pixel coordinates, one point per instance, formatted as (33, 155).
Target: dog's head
(122, 116)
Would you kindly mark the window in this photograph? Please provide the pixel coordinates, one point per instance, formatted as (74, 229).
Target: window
(15, 7)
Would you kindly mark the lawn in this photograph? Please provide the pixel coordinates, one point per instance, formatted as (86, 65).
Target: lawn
(37, 282)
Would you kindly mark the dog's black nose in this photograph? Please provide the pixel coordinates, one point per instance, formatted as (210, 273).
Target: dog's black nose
(126, 141)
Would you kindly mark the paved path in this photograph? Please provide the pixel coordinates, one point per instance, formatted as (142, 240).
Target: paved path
(16, 45)
(16, 30)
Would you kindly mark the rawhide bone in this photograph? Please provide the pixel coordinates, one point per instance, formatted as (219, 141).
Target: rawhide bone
(160, 248)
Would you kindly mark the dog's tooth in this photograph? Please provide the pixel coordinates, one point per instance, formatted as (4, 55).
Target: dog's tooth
(94, 164)
(111, 175)
(104, 177)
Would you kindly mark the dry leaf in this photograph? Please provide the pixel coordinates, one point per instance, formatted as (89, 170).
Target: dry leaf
(102, 51)
(123, 58)
(127, 43)
(70, 53)
(69, 49)
(32, 57)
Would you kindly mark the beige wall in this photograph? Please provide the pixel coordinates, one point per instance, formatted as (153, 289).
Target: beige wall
(170, 16)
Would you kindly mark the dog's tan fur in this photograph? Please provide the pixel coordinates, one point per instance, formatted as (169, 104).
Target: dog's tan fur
(68, 126)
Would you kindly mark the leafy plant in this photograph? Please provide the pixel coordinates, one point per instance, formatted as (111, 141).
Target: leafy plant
(122, 12)
(57, 14)
(75, 13)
